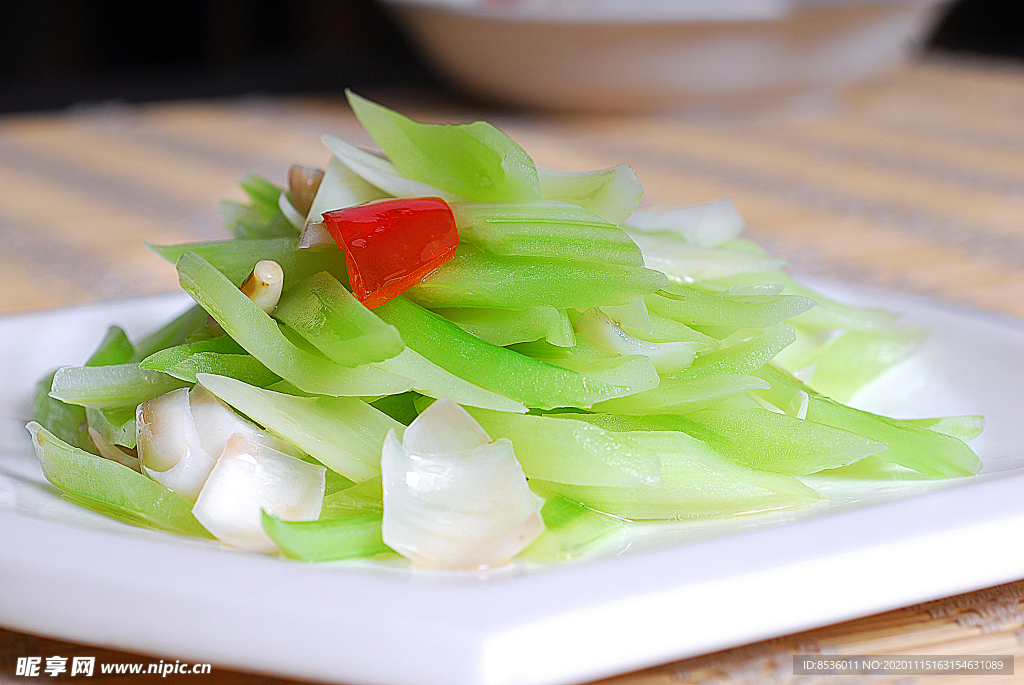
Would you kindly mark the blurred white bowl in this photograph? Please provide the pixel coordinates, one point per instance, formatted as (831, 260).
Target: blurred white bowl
(633, 55)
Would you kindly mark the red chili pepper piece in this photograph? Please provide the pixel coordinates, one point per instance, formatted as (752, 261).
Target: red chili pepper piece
(390, 245)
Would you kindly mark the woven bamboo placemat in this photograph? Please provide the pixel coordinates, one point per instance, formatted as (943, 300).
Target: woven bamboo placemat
(914, 181)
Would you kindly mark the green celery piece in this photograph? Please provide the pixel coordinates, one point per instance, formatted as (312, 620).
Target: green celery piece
(742, 358)
(220, 355)
(67, 421)
(262, 216)
(612, 193)
(116, 348)
(679, 396)
(530, 381)
(964, 428)
(575, 452)
(174, 333)
(169, 356)
(400, 407)
(434, 381)
(695, 483)
(756, 438)
(848, 362)
(344, 434)
(475, 161)
(328, 316)
(327, 539)
(570, 530)
(827, 314)
(111, 488)
(691, 306)
(914, 447)
(118, 386)
(259, 335)
(236, 258)
(360, 499)
(664, 329)
(544, 229)
(117, 426)
(477, 279)
(509, 326)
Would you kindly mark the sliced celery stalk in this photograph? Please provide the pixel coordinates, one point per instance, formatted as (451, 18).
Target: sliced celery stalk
(343, 433)
(530, 381)
(544, 229)
(220, 355)
(679, 396)
(509, 326)
(695, 482)
(66, 421)
(570, 530)
(430, 379)
(117, 386)
(236, 258)
(117, 426)
(380, 172)
(827, 314)
(115, 349)
(612, 193)
(259, 335)
(848, 362)
(360, 499)
(692, 306)
(262, 217)
(327, 315)
(477, 279)
(664, 329)
(475, 160)
(574, 452)
(327, 539)
(741, 358)
(964, 428)
(686, 263)
(111, 488)
(917, 448)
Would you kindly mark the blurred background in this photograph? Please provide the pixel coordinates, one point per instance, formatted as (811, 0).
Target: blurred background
(58, 53)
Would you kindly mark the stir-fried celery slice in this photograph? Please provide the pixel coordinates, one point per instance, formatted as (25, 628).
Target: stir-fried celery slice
(116, 426)
(914, 447)
(110, 387)
(475, 160)
(544, 229)
(327, 539)
(611, 193)
(111, 488)
(477, 279)
(686, 263)
(964, 428)
(574, 452)
(174, 333)
(67, 421)
(741, 358)
(360, 499)
(510, 326)
(261, 217)
(236, 258)
(532, 382)
(679, 396)
(688, 305)
(259, 335)
(327, 315)
(570, 530)
(220, 355)
(343, 433)
(695, 483)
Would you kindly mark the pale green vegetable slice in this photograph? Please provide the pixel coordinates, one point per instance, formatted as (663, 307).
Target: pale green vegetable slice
(343, 433)
(575, 452)
(679, 396)
(686, 263)
(964, 428)
(509, 326)
(691, 306)
(707, 224)
(110, 488)
(259, 335)
(110, 387)
(570, 530)
(743, 357)
(474, 160)
(380, 172)
(327, 539)
(611, 193)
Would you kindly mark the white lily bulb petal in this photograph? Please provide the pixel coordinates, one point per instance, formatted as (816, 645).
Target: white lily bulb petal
(667, 357)
(215, 422)
(250, 478)
(444, 428)
(169, 448)
(467, 509)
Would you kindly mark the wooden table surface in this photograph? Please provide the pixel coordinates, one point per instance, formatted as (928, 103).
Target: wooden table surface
(913, 181)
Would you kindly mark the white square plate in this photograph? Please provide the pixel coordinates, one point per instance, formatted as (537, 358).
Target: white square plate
(661, 593)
